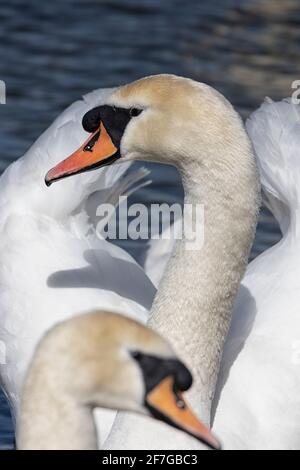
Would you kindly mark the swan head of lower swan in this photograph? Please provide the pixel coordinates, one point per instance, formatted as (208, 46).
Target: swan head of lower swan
(107, 360)
(162, 118)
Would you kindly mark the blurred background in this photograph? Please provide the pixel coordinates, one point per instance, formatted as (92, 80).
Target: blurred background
(54, 52)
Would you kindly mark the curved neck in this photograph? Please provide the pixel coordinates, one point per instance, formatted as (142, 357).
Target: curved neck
(194, 302)
(192, 308)
(51, 421)
(193, 305)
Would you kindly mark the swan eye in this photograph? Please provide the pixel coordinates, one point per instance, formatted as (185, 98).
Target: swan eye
(136, 355)
(134, 112)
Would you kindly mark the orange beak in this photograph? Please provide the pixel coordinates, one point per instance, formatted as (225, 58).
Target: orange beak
(98, 150)
(167, 406)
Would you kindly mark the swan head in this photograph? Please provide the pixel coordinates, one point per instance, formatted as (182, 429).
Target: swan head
(107, 360)
(162, 118)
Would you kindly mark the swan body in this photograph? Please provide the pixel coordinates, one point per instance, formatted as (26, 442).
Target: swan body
(258, 405)
(53, 266)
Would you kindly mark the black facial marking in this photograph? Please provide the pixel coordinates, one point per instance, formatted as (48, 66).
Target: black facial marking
(114, 119)
(155, 369)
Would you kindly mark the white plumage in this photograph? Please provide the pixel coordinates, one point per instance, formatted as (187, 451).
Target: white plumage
(53, 265)
(259, 406)
(257, 403)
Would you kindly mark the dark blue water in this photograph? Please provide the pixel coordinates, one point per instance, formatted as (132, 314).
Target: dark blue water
(53, 52)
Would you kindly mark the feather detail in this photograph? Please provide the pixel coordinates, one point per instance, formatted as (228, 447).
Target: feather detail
(275, 132)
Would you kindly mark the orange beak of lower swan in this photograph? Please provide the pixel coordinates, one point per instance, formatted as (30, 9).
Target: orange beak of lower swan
(167, 406)
(99, 150)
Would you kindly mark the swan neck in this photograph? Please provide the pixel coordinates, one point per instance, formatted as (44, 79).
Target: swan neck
(50, 420)
(194, 303)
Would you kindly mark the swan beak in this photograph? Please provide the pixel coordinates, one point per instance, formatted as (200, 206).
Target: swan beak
(170, 407)
(97, 151)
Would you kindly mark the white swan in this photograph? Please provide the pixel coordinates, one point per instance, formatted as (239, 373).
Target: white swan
(259, 406)
(52, 264)
(188, 124)
(271, 419)
(107, 360)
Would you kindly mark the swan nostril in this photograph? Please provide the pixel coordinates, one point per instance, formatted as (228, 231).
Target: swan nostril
(90, 145)
(180, 403)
